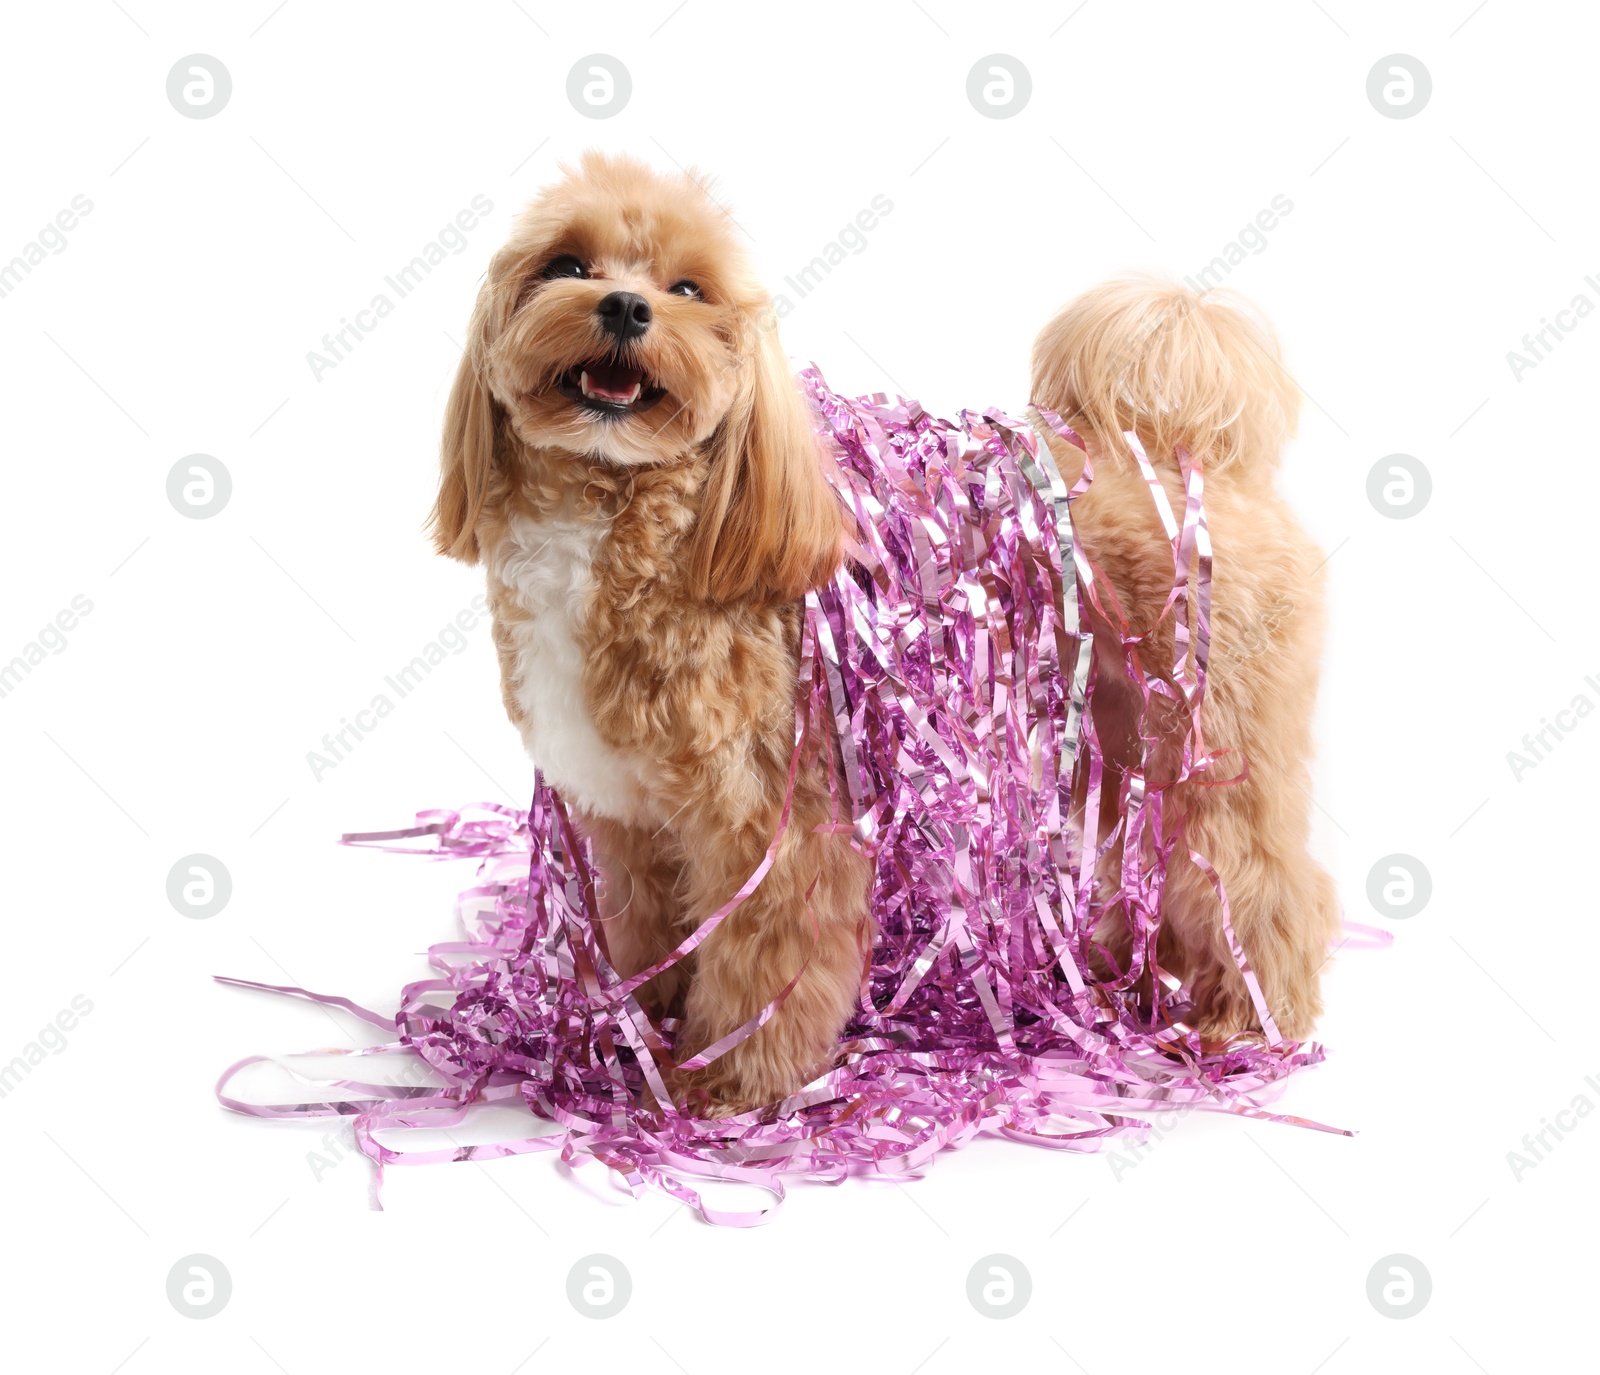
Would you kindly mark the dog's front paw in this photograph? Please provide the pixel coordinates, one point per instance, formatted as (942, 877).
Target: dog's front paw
(715, 1109)
(703, 1096)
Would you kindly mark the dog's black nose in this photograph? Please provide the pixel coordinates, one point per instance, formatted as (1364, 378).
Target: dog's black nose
(624, 314)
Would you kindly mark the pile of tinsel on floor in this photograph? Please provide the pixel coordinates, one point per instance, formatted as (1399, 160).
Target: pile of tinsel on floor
(951, 659)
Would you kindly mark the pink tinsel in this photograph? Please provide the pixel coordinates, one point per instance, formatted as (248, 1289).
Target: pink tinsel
(958, 678)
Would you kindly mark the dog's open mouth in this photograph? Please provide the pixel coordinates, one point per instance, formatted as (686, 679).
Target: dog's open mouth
(609, 386)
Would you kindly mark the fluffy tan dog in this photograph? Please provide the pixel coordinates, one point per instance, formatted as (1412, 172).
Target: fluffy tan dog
(627, 452)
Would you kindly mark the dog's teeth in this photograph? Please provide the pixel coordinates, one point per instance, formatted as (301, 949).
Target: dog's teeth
(583, 381)
(634, 394)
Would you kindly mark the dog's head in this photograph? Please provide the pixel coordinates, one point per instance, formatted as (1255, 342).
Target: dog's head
(622, 325)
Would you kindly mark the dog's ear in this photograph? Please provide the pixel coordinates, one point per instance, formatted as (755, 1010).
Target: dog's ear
(466, 454)
(770, 525)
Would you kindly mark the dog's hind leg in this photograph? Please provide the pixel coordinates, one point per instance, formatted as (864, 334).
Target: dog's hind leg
(1254, 833)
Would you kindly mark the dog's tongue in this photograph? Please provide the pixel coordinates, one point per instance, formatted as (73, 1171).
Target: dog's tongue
(612, 381)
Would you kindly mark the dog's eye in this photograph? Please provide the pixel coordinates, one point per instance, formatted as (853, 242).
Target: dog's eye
(565, 266)
(686, 288)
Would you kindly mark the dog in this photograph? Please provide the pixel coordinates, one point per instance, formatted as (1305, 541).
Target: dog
(628, 454)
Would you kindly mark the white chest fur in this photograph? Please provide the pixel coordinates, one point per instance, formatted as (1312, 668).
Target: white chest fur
(546, 564)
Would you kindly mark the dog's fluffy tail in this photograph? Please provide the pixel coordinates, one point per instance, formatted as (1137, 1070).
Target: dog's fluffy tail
(1178, 367)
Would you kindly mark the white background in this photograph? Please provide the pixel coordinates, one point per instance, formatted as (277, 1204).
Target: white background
(218, 652)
